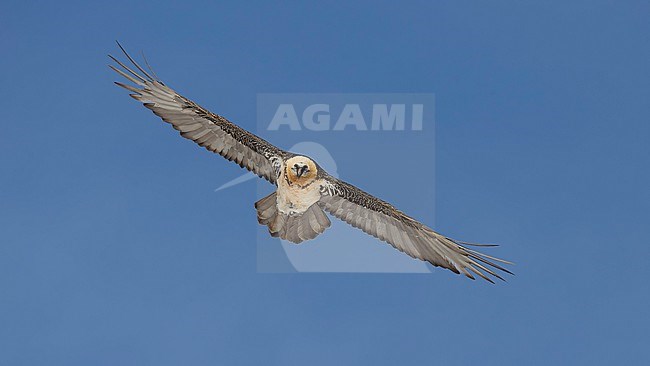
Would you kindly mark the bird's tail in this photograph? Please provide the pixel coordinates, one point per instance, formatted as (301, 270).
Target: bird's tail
(294, 228)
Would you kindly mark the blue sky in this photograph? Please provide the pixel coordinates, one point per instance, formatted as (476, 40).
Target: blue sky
(116, 250)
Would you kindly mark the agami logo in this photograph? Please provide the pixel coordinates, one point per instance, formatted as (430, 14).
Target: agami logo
(326, 117)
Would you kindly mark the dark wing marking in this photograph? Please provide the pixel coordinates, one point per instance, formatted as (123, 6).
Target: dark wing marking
(207, 129)
(383, 221)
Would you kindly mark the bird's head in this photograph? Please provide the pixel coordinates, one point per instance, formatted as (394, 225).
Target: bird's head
(300, 170)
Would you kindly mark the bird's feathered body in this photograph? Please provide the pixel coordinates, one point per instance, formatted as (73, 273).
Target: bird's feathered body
(292, 212)
(296, 210)
(297, 193)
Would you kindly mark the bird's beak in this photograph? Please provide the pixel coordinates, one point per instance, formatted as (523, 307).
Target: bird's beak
(300, 170)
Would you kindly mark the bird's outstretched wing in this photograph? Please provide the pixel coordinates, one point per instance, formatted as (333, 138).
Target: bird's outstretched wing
(383, 221)
(207, 129)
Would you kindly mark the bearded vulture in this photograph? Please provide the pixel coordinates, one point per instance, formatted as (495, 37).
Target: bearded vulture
(296, 210)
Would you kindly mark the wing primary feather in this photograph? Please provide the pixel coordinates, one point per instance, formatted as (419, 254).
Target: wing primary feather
(143, 80)
(129, 87)
(479, 265)
(149, 67)
(495, 265)
(134, 63)
(489, 256)
(474, 244)
(128, 77)
(483, 275)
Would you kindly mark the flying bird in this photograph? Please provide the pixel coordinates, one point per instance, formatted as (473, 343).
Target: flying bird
(296, 211)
